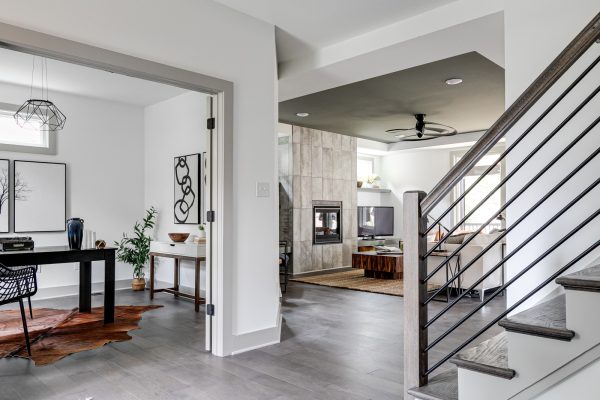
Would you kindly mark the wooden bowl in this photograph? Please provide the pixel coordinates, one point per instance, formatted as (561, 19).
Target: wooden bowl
(178, 237)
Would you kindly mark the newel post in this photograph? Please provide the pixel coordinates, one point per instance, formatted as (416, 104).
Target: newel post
(415, 292)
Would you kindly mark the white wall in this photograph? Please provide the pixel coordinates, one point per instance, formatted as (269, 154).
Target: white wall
(102, 145)
(535, 32)
(172, 128)
(413, 170)
(205, 37)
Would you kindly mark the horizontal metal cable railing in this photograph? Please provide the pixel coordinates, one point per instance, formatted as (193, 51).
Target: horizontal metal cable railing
(418, 207)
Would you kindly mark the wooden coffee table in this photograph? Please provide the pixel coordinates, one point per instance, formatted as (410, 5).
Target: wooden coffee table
(382, 266)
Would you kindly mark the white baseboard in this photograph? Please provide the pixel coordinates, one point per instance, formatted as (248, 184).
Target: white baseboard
(73, 290)
(257, 339)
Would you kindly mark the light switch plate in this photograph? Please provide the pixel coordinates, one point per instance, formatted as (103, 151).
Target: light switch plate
(262, 189)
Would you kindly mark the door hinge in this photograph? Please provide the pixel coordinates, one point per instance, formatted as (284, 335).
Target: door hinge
(210, 216)
(210, 123)
(210, 309)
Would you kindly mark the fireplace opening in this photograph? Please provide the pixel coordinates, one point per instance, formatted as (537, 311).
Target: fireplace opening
(327, 224)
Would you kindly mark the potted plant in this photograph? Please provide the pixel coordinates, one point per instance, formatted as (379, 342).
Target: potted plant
(202, 231)
(373, 181)
(135, 250)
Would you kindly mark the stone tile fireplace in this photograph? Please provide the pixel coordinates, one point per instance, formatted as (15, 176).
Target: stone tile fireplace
(320, 170)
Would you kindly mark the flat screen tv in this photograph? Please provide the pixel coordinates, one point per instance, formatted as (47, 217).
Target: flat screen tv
(375, 221)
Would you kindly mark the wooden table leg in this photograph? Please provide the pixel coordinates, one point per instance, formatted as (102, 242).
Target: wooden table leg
(197, 287)
(176, 276)
(85, 286)
(109, 288)
(151, 277)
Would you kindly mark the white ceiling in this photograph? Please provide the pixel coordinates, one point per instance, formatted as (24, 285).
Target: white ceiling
(306, 25)
(16, 68)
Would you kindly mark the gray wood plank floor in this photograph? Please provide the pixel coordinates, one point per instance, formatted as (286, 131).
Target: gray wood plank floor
(336, 344)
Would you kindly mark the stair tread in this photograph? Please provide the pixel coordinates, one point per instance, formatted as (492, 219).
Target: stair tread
(547, 319)
(489, 357)
(587, 279)
(443, 386)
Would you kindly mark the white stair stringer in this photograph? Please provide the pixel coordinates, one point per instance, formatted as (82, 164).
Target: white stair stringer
(536, 358)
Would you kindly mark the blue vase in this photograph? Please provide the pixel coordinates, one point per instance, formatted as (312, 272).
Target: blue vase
(75, 233)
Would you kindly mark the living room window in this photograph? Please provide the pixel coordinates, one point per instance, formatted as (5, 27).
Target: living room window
(27, 140)
(488, 209)
(365, 167)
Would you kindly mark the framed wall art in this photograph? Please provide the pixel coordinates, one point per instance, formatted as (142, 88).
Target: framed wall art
(5, 199)
(39, 193)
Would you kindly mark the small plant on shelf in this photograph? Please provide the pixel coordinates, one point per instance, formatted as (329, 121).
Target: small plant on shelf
(135, 250)
(373, 181)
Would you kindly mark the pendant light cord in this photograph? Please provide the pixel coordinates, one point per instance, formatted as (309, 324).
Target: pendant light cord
(32, 71)
(46, 69)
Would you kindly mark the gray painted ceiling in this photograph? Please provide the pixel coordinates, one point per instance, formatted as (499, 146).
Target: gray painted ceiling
(368, 108)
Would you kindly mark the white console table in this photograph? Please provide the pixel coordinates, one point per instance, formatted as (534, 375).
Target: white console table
(179, 251)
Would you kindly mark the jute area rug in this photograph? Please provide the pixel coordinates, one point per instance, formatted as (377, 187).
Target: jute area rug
(55, 334)
(355, 280)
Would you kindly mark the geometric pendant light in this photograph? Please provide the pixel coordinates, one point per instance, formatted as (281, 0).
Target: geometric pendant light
(41, 114)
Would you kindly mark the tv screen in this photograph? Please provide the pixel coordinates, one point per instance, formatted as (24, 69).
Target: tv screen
(375, 221)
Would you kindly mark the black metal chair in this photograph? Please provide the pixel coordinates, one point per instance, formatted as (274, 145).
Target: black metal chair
(35, 267)
(284, 257)
(15, 285)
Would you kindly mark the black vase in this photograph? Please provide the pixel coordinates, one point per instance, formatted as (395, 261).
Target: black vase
(75, 233)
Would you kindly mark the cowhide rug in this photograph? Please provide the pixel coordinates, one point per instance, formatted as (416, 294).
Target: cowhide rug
(55, 334)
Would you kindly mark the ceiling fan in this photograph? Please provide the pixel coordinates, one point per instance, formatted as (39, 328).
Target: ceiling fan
(423, 130)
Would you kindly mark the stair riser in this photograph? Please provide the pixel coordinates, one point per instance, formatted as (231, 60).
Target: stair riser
(582, 313)
(474, 385)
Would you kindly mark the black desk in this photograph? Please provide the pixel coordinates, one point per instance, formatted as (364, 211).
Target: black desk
(62, 254)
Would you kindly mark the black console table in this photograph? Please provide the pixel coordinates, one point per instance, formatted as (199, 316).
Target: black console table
(62, 254)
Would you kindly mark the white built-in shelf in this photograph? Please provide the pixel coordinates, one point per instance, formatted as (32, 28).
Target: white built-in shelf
(374, 190)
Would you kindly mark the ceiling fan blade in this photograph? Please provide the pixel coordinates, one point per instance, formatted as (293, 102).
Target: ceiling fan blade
(400, 133)
(439, 129)
(417, 139)
(399, 130)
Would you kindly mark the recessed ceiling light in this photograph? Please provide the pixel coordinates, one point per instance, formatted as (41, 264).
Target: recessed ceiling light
(453, 81)
(302, 114)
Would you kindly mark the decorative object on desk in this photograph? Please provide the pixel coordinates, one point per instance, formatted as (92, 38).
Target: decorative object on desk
(15, 243)
(178, 237)
(75, 233)
(40, 196)
(89, 239)
(135, 250)
(187, 189)
(4, 195)
(40, 113)
(359, 184)
(55, 334)
(100, 244)
(202, 231)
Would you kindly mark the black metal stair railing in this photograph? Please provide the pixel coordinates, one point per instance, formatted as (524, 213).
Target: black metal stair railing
(418, 207)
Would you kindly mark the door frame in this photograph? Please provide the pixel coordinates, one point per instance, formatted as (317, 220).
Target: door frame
(221, 170)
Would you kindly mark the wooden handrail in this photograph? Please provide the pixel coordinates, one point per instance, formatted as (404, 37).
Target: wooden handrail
(560, 65)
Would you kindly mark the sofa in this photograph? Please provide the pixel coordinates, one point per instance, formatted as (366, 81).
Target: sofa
(484, 264)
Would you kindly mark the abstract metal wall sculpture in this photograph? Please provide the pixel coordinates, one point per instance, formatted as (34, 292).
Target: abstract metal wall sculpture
(187, 189)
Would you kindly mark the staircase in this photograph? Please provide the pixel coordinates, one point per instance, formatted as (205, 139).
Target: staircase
(546, 350)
